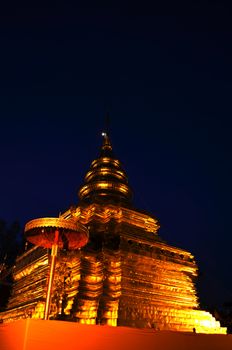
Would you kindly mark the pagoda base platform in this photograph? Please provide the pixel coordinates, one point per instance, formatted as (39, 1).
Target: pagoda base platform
(32, 334)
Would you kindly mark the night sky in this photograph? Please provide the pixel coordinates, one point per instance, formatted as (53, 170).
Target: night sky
(164, 74)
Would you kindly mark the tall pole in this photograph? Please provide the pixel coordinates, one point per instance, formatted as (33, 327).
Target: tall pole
(51, 274)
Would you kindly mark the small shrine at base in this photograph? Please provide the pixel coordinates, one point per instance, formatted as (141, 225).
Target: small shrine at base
(103, 262)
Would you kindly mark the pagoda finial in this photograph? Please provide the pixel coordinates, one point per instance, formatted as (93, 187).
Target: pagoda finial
(106, 140)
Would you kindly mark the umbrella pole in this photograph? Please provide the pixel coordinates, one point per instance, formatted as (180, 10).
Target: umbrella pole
(51, 274)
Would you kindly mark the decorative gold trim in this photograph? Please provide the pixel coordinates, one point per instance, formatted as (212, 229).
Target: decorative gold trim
(56, 223)
(41, 232)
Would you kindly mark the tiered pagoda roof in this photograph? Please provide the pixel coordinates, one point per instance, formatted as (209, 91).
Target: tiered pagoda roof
(106, 181)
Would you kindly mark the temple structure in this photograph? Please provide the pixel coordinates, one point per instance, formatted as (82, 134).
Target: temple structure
(125, 275)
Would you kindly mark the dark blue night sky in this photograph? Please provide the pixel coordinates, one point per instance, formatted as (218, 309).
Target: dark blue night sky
(164, 74)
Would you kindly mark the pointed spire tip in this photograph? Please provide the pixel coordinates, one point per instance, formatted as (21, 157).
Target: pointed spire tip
(106, 142)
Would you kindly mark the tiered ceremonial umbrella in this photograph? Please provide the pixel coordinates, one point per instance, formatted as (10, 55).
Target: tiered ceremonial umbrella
(55, 233)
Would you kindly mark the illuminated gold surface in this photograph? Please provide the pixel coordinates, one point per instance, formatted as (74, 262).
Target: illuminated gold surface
(51, 222)
(103, 214)
(106, 179)
(125, 275)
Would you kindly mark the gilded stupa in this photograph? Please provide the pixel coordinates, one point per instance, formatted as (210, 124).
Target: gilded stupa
(126, 275)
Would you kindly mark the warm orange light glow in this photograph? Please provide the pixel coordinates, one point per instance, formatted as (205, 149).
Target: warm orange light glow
(53, 335)
(125, 276)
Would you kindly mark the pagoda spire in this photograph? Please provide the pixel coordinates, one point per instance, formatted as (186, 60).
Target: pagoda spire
(106, 148)
(106, 145)
(106, 141)
(106, 181)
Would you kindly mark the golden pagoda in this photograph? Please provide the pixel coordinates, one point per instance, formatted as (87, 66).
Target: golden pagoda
(126, 275)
